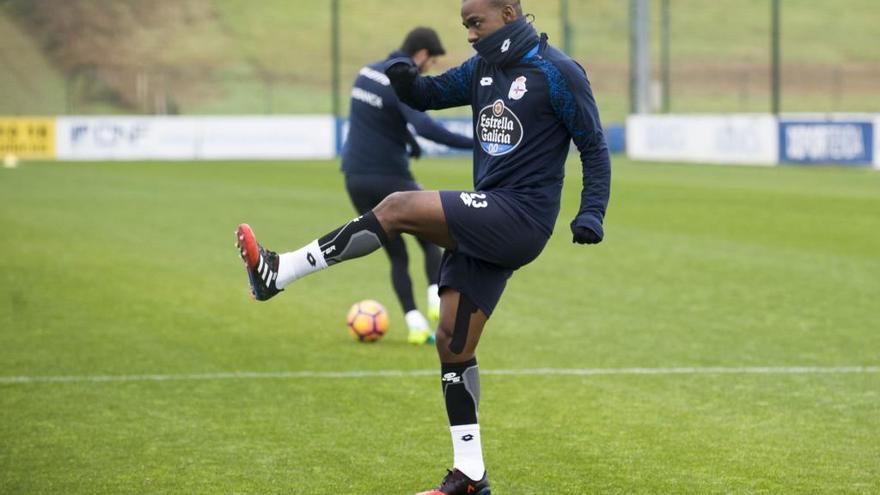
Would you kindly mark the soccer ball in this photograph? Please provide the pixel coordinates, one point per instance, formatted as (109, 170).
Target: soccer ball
(367, 321)
(10, 161)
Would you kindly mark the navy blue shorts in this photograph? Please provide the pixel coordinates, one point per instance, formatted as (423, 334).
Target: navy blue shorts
(494, 237)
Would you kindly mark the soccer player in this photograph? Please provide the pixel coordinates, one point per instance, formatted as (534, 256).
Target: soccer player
(375, 162)
(529, 101)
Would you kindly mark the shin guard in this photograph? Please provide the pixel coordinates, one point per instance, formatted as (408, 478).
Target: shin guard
(461, 390)
(359, 237)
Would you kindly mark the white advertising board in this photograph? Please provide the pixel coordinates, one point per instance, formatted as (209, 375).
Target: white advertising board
(746, 139)
(195, 138)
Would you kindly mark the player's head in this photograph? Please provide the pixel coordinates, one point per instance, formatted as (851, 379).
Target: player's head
(484, 17)
(423, 45)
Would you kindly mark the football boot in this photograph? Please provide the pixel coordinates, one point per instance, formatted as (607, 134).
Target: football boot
(457, 483)
(260, 263)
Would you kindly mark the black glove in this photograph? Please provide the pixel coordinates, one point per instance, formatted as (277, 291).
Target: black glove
(415, 151)
(402, 75)
(584, 235)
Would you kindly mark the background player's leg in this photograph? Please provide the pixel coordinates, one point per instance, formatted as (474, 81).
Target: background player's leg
(432, 261)
(417, 324)
(400, 279)
(461, 325)
(432, 272)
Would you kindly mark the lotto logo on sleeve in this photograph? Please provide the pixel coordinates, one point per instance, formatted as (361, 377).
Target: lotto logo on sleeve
(498, 129)
(451, 377)
(474, 200)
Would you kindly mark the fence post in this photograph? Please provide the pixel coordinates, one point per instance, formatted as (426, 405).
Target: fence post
(334, 56)
(566, 27)
(664, 55)
(68, 90)
(775, 103)
(270, 100)
(640, 57)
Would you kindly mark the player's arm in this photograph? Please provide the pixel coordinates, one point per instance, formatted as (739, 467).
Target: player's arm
(450, 89)
(415, 150)
(430, 129)
(577, 108)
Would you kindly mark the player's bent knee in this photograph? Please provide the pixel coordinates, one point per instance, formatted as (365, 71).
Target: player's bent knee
(443, 333)
(454, 342)
(391, 211)
(443, 336)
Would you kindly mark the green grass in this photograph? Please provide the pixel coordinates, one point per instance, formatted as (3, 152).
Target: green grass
(127, 269)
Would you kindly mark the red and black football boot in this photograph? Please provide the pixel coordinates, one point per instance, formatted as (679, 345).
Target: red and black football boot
(260, 263)
(457, 483)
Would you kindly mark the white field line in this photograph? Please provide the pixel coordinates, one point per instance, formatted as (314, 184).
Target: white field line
(287, 375)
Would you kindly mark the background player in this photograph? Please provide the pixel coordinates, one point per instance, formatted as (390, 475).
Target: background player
(529, 102)
(375, 162)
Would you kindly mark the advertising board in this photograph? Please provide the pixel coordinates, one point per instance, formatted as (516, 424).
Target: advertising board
(195, 138)
(27, 137)
(722, 139)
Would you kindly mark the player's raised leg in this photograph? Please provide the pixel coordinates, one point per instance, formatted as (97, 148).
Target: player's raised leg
(461, 325)
(413, 212)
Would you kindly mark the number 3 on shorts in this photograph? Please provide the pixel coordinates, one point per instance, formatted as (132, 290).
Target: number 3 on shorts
(473, 200)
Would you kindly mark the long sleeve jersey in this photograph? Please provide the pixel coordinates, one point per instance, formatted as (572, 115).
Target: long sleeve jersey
(529, 101)
(378, 133)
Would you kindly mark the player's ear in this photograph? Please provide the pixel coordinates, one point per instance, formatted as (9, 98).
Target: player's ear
(508, 14)
(420, 56)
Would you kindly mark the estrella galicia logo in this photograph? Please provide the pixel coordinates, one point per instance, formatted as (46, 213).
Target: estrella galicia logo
(498, 129)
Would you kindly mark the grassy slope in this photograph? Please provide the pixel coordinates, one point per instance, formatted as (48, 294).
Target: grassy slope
(110, 269)
(29, 85)
(704, 36)
(727, 38)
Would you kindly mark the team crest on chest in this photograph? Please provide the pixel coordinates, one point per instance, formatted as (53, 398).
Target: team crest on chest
(518, 88)
(498, 130)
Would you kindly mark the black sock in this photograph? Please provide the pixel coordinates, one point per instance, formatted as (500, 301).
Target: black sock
(461, 389)
(359, 237)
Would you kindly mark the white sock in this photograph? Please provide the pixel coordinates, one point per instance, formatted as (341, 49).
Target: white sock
(297, 264)
(467, 451)
(415, 320)
(433, 296)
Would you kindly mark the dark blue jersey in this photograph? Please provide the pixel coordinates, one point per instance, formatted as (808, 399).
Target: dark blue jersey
(529, 102)
(378, 135)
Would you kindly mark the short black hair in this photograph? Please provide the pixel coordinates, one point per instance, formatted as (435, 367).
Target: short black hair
(422, 38)
(500, 4)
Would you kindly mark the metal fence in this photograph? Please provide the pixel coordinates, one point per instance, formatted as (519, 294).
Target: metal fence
(705, 57)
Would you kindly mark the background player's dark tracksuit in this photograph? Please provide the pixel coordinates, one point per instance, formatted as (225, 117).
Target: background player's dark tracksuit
(375, 160)
(529, 102)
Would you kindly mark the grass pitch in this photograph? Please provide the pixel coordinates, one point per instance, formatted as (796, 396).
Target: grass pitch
(129, 269)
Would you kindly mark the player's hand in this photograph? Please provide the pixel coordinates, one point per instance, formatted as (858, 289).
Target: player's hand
(415, 151)
(401, 74)
(584, 235)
